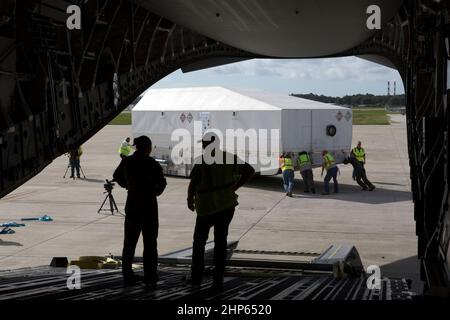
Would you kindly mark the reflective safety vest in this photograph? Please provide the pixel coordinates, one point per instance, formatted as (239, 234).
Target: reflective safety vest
(214, 191)
(328, 161)
(287, 164)
(304, 159)
(125, 149)
(76, 154)
(304, 162)
(359, 154)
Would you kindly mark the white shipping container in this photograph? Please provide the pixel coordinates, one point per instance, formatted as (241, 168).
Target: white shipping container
(301, 124)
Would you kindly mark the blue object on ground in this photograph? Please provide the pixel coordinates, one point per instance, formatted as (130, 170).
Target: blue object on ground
(43, 218)
(12, 224)
(7, 231)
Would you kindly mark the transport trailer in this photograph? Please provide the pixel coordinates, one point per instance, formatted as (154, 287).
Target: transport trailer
(257, 126)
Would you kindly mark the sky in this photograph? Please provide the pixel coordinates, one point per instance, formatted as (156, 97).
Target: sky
(331, 76)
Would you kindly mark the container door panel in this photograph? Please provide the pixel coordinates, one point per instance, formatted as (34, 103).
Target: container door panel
(296, 130)
(332, 130)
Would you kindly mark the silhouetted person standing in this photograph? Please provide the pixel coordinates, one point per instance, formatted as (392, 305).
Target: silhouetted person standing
(74, 161)
(211, 194)
(142, 176)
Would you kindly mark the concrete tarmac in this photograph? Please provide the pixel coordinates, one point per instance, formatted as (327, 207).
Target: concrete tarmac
(380, 223)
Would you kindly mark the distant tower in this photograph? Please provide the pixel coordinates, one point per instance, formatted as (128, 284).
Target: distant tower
(389, 88)
(394, 87)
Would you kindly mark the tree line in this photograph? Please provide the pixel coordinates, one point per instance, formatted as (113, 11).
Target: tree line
(367, 99)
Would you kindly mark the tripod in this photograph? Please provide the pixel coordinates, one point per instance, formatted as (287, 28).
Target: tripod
(67, 169)
(112, 204)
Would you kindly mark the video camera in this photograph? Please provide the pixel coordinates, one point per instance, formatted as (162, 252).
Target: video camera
(109, 185)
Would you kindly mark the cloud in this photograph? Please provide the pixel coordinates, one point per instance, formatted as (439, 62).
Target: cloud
(330, 69)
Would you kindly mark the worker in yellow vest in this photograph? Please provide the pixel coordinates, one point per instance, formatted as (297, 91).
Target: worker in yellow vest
(74, 161)
(125, 148)
(329, 164)
(360, 172)
(305, 165)
(287, 168)
(360, 155)
(215, 178)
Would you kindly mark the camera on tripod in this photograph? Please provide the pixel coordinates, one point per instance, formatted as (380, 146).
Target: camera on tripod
(109, 186)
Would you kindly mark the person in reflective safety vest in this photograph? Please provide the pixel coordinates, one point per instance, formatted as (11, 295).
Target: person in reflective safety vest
(360, 173)
(74, 161)
(125, 148)
(360, 155)
(305, 165)
(287, 168)
(329, 164)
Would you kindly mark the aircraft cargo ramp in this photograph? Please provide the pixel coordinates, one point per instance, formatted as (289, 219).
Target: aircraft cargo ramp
(50, 284)
(302, 276)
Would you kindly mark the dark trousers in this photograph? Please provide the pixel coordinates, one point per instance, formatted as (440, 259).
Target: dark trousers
(308, 180)
(354, 173)
(220, 221)
(361, 179)
(133, 228)
(74, 165)
(331, 174)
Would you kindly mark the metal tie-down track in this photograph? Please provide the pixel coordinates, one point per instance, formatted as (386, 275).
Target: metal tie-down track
(274, 280)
